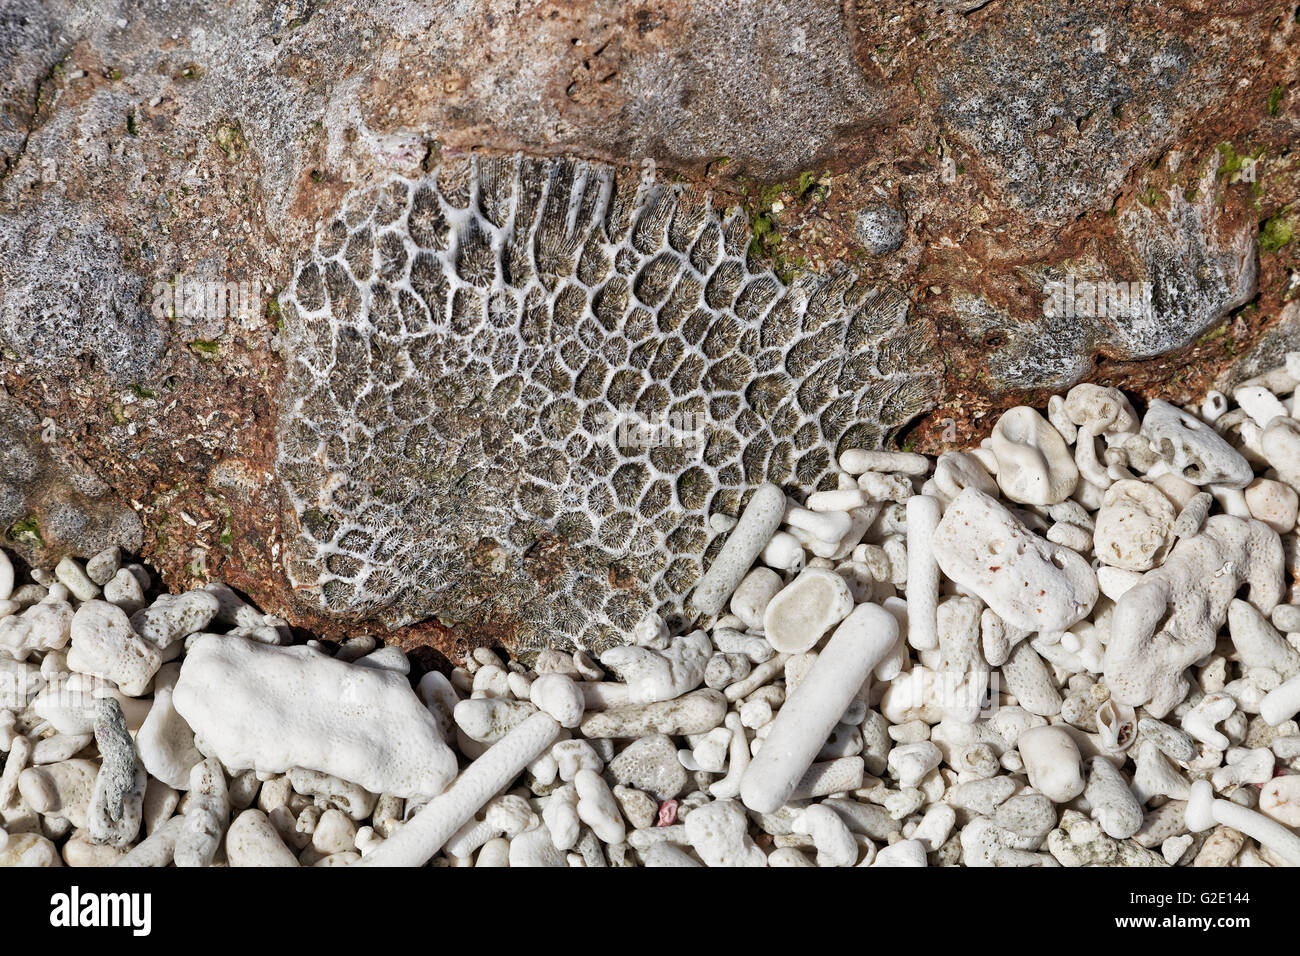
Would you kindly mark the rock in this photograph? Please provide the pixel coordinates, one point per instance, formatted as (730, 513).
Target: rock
(560, 697)
(487, 720)
(696, 713)
(1081, 842)
(45, 626)
(1029, 817)
(1273, 503)
(718, 833)
(51, 503)
(1029, 582)
(60, 789)
(103, 645)
(879, 227)
(1134, 526)
(571, 756)
(334, 833)
(909, 853)
(1279, 798)
(272, 708)
(666, 854)
(1030, 679)
(638, 807)
(1258, 644)
(805, 609)
(534, 848)
(723, 670)
(650, 764)
(1052, 762)
(352, 798)
(1192, 449)
(173, 616)
(29, 849)
(1034, 464)
(832, 837)
(124, 590)
(1280, 446)
(597, 807)
(252, 841)
(72, 576)
(80, 851)
(166, 742)
(750, 599)
(1112, 803)
(653, 675)
(1162, 625)
(1259, 403)
(103, 566)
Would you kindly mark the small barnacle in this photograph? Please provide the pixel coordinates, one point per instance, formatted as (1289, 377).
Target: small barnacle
(560, 365)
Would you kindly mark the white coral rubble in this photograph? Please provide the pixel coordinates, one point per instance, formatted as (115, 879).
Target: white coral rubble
(1054, 649)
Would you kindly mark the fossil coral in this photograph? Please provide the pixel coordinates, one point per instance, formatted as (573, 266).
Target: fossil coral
(517, 390)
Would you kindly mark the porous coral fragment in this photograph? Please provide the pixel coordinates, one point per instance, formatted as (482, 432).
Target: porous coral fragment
(518, 388)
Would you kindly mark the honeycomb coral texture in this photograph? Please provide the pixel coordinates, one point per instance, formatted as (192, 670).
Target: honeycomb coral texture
(461, 348)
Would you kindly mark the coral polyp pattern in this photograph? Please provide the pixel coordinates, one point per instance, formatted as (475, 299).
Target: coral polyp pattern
(518, 389)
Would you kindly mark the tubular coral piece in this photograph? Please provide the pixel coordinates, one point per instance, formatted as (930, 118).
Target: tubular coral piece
(1192, 518)
(961, 659)
(117, 801)
(117, 751)
(415, 843)
(205, 820)
(1204, 811)
(812, 711)
(922, 572)
(738, 760)
(758, 522)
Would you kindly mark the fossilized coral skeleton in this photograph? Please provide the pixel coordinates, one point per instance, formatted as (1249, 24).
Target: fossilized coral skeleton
(465, 351)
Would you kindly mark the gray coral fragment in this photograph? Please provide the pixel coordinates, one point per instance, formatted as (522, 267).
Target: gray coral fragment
(117, 799)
